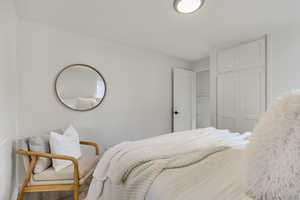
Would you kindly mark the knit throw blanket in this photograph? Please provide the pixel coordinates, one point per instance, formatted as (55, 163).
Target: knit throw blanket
(127, 170)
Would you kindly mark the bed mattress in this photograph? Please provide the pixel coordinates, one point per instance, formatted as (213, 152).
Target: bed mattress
(219, 177)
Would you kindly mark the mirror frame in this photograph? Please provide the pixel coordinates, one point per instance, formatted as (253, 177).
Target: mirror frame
(75, 65)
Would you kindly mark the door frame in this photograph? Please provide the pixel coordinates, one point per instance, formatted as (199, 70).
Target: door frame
(194, 107)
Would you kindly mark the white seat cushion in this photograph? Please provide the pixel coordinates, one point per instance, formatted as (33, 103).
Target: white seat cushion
(86, 164)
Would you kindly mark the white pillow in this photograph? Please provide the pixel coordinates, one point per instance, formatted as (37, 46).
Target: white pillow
(40, 144)
(66, 144)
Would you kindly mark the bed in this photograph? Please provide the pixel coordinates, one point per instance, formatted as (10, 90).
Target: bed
(219, 177)
(208, 164)
(203, 163)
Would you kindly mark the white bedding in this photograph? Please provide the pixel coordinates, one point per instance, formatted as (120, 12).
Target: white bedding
(127, 171)
(219, 177)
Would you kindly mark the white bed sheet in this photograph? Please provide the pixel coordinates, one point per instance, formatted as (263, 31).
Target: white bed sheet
(219, 177)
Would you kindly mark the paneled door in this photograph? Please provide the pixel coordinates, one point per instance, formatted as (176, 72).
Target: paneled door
(241, 86)
(252, 94)
(202, 99)
(227, 104)
(184, 100)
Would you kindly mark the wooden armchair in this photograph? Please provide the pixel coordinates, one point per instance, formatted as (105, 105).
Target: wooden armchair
(70, 179)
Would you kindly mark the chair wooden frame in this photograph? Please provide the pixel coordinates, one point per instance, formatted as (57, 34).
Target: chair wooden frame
(75, 187)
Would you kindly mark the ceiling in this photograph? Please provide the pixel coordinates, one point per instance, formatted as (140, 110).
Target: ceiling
(154, 25)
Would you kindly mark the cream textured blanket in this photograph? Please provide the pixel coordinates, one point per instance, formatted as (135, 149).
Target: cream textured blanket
(127, 171)
(221, 176)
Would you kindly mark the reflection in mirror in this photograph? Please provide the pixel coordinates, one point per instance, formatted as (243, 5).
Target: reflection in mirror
(80, 87)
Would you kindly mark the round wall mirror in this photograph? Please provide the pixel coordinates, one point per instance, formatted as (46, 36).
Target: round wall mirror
(80, 87)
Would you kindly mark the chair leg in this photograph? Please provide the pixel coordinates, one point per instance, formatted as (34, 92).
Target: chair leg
(76, 193)
(27, 178)
(21, 195)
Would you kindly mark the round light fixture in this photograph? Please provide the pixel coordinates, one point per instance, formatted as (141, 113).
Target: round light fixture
(188, 6)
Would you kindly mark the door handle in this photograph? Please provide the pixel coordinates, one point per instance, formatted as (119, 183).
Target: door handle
(176, 112)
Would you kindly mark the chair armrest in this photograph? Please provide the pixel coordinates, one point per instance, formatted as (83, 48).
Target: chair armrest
(95, 145)
(54, 156)
(47, 155)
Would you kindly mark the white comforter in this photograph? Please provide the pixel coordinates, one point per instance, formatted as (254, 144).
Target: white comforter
(127, 171)
(219, 177)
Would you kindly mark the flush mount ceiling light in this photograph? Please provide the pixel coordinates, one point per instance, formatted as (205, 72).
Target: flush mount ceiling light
(188, 6)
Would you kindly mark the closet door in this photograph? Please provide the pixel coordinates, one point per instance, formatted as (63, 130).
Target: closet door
(241, 90)
(251, 98)
(202, 93)
(227, 104)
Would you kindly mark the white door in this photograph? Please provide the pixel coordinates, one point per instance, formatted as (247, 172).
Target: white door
(241, 86)
(184, 100)
(227, 97)
(241, 99)
(251, 98)
(202, 100)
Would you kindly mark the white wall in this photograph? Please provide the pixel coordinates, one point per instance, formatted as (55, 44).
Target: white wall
(8, 105)
(138, 101)
(284, 62)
